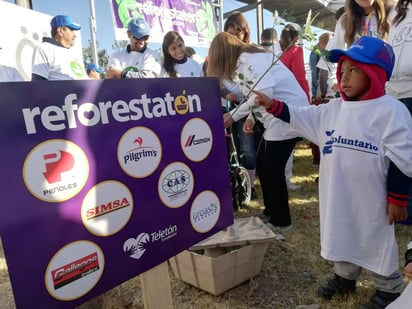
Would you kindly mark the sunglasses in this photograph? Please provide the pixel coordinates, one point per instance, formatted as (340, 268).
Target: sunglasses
(143, 38)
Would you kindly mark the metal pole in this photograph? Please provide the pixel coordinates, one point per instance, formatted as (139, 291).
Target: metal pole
(259, 17)
(93, 30)
(25, 3)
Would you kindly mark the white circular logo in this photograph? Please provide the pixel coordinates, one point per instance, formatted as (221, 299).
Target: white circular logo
(175, 185)
(74, 270)
(196, 139)
(107, 208)
(205, 211)
(55, 170)
(139, 152)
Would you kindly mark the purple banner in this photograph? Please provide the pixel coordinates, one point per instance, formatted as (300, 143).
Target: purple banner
(103, 180)
(194, 20)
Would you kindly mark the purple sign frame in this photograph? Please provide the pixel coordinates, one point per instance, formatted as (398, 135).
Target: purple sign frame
(103, 180)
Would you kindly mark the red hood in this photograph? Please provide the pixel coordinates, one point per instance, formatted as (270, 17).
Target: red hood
(376, 74)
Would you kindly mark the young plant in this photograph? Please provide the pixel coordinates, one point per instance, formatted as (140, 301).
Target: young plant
(244, 81)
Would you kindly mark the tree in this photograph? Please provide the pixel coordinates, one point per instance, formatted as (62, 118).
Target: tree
(102, 55)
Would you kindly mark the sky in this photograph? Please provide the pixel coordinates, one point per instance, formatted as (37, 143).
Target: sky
(79, 11)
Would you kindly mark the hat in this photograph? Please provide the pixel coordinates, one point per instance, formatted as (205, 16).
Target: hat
(63, 21)
(93, 67)
(370, 50)
(138, 27)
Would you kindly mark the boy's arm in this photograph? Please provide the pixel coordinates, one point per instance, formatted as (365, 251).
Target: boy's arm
(277, 108)
(398, 186)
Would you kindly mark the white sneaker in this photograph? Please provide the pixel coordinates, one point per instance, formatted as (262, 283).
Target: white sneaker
(292, 186)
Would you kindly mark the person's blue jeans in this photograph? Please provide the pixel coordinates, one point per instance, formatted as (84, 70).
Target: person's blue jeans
(246, 145)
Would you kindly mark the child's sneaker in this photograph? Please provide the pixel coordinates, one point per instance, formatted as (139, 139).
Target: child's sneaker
(337, 286)
(380, 300)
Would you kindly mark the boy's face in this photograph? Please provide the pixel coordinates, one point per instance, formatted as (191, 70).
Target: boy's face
(354, 82)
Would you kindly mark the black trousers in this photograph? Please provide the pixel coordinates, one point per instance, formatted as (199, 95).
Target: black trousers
(270, 164)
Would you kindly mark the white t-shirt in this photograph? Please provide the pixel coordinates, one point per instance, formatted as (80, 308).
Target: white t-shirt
(400, 84)
(137, 64)
(53, 61)
(9, 74)
(278, 82)
(190, 68)
(357, 141)
(338, 42)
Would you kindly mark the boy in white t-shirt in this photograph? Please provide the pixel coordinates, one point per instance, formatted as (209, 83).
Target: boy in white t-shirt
(366, 142)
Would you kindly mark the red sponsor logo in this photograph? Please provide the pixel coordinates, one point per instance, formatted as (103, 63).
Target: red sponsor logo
(56, 164)
(103, 209)
(75, 270)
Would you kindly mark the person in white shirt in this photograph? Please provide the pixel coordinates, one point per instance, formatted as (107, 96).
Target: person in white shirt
(137, 60)
(366, 141)
(176, 63)
(7, 73)
(54, 59)
(360, 18)
(246, 65)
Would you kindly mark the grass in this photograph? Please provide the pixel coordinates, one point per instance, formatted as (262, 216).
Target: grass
(291, 272)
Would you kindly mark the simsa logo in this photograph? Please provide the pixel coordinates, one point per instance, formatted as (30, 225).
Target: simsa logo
(88, 114)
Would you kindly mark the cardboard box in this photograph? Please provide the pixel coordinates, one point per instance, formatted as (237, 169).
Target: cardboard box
(225, 259)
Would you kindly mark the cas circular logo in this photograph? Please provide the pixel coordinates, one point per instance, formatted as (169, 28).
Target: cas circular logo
(55, 170)
(181, 103)
(196, 139)
(107, 208)
(74, 270)
(139, 152)
(205, 211)
(175, 185)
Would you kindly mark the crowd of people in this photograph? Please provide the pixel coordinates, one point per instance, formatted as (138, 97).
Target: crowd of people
(357, 108)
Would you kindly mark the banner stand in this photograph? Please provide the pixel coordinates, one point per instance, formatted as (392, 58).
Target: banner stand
(156, 288)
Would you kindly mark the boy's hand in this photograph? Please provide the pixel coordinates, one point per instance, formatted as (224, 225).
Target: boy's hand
(408, 271)
(396, 213)
(262, 99)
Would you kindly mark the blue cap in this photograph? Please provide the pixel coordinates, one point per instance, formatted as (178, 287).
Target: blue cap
(368, 49)
(63, 21)
(138, 27)
(93, 67)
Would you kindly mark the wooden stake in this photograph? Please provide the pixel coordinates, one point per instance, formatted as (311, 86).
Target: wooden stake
(156, 289)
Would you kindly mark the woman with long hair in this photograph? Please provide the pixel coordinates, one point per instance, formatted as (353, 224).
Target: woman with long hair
(250, 66)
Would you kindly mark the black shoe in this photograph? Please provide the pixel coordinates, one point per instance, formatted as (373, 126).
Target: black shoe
(336, 286)
(380, 300)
